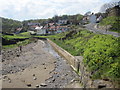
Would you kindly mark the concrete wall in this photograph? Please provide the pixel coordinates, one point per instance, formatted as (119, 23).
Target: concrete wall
(77, 64)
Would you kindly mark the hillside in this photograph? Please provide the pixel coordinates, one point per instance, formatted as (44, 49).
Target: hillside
(101, 52)
(9, 25)
(113, 22)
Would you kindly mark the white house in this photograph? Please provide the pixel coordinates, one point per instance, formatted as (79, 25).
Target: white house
(40, 30)
(62, 21)
(99, 18)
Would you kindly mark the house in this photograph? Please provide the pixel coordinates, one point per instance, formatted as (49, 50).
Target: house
(62, 28)
(92, 18)
(33, 24)
(62, 22)
(85, 19)
(99, 18)
(33, 27)
(51, 24)
(52, 28)
(58, 29)
(18, 30)
(40, 30)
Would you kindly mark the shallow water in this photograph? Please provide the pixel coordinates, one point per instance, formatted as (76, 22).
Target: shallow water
(63, 74)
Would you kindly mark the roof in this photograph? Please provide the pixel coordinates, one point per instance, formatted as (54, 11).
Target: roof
(19, 29)
(38, 27)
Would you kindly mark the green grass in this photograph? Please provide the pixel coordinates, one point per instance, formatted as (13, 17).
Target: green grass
(24, 35)
(17, 36)
(21, 43)
(9, 37)
(16, 45)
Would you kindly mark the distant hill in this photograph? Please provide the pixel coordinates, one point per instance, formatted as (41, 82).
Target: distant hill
(10, 25)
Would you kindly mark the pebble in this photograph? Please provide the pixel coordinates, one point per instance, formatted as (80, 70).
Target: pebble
(37, 86)
(28, 84)
(23, 80)
(55, 72)
(57, 75)
(43, 64)
(33, 74)
(34, 78)
(4, 77)
(63, 78)
(43, 84)
(66, 74)
(49, 81)
(44, 67)
(34, 67)
(72, 80)
(9, 81)
(53, 79)
(12, 72)
(54, 61)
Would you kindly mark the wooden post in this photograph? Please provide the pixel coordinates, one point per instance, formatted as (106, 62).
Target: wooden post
(77, 65)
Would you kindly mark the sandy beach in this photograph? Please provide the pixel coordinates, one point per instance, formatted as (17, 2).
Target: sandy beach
(39, 64)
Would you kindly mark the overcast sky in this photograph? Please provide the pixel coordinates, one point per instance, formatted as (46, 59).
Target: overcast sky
(39, 9)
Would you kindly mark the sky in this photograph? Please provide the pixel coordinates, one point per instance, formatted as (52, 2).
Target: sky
(43, 9)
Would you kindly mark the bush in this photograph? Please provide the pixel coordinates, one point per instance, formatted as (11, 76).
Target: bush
(113, 21)
(102, 56)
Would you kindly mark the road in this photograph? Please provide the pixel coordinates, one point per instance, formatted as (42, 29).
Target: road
(39, 66)
(91, 27)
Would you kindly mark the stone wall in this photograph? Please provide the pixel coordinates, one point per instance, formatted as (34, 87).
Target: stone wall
(77, 64)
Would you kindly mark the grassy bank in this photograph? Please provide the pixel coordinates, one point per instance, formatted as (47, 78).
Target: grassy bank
(113, 21)
(25, 35)
(22, 43)
(101, 52)
(17, 36)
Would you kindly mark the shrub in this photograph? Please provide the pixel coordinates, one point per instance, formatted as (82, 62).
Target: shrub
(102, 55)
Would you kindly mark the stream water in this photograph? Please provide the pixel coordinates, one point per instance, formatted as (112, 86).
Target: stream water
(63, 75)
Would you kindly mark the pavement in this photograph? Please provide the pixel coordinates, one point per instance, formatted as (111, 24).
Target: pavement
(92, 27)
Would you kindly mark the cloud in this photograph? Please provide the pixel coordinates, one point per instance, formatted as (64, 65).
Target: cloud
(30, 9)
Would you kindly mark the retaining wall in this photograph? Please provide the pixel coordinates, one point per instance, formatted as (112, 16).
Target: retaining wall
(77, 64)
